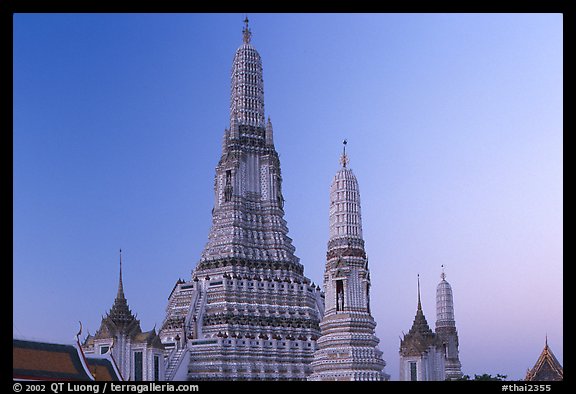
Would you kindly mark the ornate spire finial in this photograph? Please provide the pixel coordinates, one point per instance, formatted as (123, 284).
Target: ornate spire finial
(419, 303)
(443, 275)
(344, 159)
(247, 34)
(120, 284)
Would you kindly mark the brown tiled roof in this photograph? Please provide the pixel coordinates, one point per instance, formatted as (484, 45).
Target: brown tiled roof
(103, 369)
(48, 361)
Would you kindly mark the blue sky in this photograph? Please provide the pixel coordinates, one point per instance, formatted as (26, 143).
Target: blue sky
(454, 129)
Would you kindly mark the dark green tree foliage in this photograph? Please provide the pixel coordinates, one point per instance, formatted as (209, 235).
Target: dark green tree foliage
(485, 376)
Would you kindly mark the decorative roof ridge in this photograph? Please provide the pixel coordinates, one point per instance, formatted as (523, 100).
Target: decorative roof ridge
(39, 340)
(81, 354)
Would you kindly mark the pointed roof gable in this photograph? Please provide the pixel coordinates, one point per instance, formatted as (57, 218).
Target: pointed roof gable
(547, 367)
(151, 338)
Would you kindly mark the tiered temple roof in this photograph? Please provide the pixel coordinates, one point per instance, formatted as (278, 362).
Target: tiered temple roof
(121, 320)
(547, 367)
(420, 337)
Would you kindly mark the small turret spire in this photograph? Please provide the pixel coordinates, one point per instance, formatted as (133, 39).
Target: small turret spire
(443, 275)
(247, 34)
(269, 132)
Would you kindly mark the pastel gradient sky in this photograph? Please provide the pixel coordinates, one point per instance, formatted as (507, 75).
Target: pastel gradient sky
(455, 133)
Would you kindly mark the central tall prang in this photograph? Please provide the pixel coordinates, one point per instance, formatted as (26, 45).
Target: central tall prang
(247, 221)
(248, 312)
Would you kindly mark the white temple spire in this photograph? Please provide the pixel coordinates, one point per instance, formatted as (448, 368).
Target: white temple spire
(347, 293)
(446, 327)
(444, 303)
